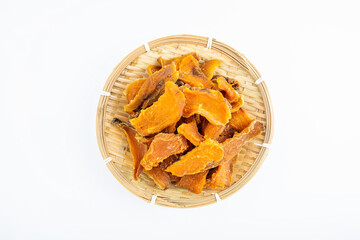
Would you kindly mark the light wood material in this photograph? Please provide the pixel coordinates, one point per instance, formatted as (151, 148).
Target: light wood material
(112, 142)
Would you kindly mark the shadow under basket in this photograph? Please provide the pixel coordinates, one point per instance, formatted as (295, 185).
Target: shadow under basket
(113, 144)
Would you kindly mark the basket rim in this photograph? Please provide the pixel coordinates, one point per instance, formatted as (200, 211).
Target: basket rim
(218, 47)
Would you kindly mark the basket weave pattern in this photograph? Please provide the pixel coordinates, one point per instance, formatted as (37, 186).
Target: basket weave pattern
(113, 144)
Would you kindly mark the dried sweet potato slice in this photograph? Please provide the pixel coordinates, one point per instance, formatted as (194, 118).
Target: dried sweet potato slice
(208, 103)
(232, 146)
(240, 120)
(221, 177)
(163, 146)
(190, 132)
(151, 69)
(144, 140)
(133, 88)
(190, 72)
(194, 183)
(227, 133)
(171, 128)
(229, 92)
(207, 155)
(137, 149)
(154, 96)
(163, 113)
(209, 68)
(176, 60)
(213, 131)
(238, 104)
(166, 74)
(160, 177)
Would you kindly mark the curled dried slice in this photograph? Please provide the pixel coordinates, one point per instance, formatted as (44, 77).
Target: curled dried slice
(232, 146)
(208, 103)
(238, 104)
(154, 96)
(176, 60)
(209, 68)
(160, 177)
(221, 176)
(163, 146)
(166, 74)
(194, 183)
(207, 155)
(230, 94)
(163, 113)
(240, 120)
(190, 132)
(151, 69)
(190, 72)
(133, 88)
(213, 131)
(137, 149)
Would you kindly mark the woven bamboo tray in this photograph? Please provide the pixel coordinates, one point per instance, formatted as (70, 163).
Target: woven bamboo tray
(113, 144)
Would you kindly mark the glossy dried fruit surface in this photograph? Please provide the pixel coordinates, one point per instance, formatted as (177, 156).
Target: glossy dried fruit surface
(194, 183)
(229, 92)
(207, 155)
(166, 74)
(209, 68)
(240, 120)
(235, 106)
(163, 146)
(190, 132)
(208, 103)
(137, 149)
(133, 89)
(190, 72)
(151, 69)
(163, 113)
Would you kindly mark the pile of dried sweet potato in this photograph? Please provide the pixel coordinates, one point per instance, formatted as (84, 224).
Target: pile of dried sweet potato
(186, 125)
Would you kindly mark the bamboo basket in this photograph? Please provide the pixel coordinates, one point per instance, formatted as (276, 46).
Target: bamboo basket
(112, 142)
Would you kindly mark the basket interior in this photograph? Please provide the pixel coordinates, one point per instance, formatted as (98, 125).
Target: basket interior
(116, 145)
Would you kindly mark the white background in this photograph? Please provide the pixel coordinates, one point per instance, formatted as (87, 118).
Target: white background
(55, 58)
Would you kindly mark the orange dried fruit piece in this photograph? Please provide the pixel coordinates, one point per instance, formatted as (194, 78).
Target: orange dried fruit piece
(228, 132)
(194, 183)
(213, 131)
(190, 132)
(154, 96)
(151, 69)
(133, 88)
(176, 60)
(240, 120)
(230, 94)
(163, 146)
(221, 176)
(163, 113)
(232, 146)
(207, 155)
(209, 68)
(207, 103)
(190, 72)
(137, 149)
(160, 177)
(235, 106)
(166, 74)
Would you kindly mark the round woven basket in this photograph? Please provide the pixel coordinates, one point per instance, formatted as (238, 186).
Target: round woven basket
(113, 144)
